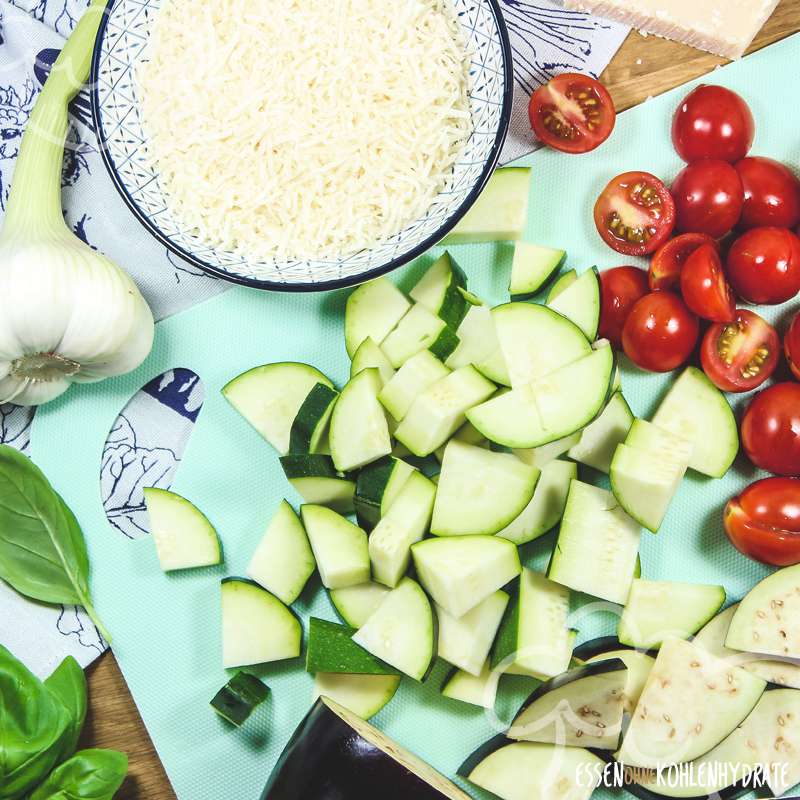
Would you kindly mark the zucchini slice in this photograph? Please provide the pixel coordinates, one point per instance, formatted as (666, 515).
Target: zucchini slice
(335, 754)
(532, 770)
(599, 439)
(501, 211)
(368, 356)
(777, 671)
(331, 649)
(697, 411)
(478, 345)
(256, 626)
(440, 290)
(283, 562)
(340, 547)
(561, 284)
(363, 695)
(580, 303)
(690, 703)
(638, 665)
(355, 604)
(546, 506)
(598, 545)
(402, 630)
(373, 310)
(460, 571)
(270, 396)
(534, 638)
(647, 470)
(768, 618)
(419, 330)
(238, 698)
(536, 341)
(541, 456)
(377, 487)
(183, 536)
(477, 690)
(548, 408)
(315, 479)
(656, 610)
(583, 706)
(359, 433)
(532, 267)
(439, 411)
(405, 523)
(311, 422)
(465, 642)
(413, 378)
(480, 491)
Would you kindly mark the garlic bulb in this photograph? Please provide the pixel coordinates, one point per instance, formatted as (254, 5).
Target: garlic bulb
(67, 313)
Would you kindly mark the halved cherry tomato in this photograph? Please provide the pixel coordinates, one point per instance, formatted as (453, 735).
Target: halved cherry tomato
(739, 356)
(771, 429)
(763, 265)
(771, 193)
(620, 288)
(712, 122)
(572, 112)
(763, 522)
(791, 345)
(635, 213)
(708, 198)
(704, 287)
(660, 332)
(666, 263)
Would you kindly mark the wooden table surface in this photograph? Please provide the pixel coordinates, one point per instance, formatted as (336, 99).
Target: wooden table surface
(643, 67)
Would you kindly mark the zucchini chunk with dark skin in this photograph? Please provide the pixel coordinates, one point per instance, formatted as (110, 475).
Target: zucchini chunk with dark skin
(334, 755)
(238, 698)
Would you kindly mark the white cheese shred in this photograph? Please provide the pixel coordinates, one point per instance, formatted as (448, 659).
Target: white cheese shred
(303, 129)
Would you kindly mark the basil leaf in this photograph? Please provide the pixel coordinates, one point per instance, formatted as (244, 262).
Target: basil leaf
(42, 549)
(68, 684)
(88, 775)
(33, 727)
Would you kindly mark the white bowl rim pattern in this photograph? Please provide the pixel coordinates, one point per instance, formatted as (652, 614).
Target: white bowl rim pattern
(323, 285)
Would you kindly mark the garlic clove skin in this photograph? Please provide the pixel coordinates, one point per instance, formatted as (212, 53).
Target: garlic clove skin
(26, 392)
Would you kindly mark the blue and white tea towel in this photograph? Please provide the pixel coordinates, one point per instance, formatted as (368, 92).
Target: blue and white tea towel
(145, 446)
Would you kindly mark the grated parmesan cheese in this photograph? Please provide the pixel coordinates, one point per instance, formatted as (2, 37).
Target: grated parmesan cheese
(303, 128)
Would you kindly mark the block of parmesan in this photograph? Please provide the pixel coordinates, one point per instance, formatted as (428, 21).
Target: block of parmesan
(723, 27)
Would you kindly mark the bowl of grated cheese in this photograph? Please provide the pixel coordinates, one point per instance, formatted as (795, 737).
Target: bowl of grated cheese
(301, 144)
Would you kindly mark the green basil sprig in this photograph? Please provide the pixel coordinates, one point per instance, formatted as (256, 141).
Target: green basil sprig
(42, 549)
(40, 723)
(88, 775)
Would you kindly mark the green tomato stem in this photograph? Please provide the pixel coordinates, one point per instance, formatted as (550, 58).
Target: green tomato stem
(34, 203)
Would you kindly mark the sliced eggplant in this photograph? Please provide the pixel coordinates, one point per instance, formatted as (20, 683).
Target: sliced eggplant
(334, 755)
(532, 770)
(690, 703)
(583, 706)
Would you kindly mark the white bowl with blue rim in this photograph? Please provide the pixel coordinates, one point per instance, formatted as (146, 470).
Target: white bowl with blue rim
(122, 44)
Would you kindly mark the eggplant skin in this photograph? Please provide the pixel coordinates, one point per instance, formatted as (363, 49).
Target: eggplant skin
(328, 759)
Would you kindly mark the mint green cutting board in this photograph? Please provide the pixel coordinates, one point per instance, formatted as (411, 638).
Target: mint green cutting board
(166, 627)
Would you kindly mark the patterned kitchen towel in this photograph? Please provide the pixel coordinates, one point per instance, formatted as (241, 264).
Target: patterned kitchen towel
(145, 446)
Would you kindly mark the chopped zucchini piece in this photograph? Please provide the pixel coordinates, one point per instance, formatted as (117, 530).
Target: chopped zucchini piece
(414, 377)
(331, 649)
(373, 310)
(477, 690)
(315, 479)
(440, 290)
(599, 439)
(340, 547)
(237, 699)
(419, 330)
(533, 266)
(369, 355)
(311, 422)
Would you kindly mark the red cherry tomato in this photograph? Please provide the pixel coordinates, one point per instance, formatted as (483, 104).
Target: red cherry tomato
(771, 429)
(771, 193)
(712, 122)
(791, 345)
(704, 287)
(739, 356)
(667, 261)
(764, 265)
(620, 288)
(763, 522)
(708, 198)
(572, 113)
(660, 332)
(635, 213)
